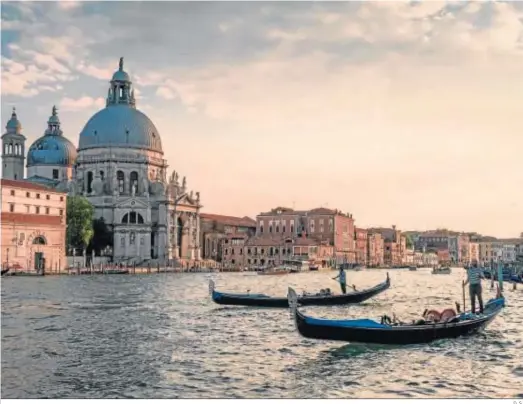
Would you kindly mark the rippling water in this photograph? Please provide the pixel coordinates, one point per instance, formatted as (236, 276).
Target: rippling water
(159, 336)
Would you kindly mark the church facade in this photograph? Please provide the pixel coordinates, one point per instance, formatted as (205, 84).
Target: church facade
(119, 166)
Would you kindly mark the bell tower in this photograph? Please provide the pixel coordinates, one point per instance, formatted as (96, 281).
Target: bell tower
(13, 150)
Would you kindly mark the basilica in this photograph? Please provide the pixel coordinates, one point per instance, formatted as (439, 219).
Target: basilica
(119, 166)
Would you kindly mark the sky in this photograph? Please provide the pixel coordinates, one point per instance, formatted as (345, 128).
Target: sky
(405, 113)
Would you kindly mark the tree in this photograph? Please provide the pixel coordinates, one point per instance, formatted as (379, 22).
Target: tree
(102, 237)
(79, 222)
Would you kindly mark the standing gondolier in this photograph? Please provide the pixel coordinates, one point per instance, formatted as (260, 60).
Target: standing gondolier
(342, 279)
(474, 275)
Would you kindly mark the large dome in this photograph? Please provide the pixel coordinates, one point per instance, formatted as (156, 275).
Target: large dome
(52, 148)
(120, 126)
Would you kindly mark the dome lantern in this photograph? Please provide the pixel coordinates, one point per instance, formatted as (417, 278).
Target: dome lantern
(120, 91)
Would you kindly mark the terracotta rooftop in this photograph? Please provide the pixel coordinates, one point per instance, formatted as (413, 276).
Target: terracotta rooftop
(230, 220)
(30, 219)
(28, 185)
(289, 211)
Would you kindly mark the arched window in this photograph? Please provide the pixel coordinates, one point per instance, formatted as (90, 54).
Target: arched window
(16, 149)
(10, 148)
(102, 175)
(132, 218)
(39, 240)
(120, 178)
(6, 148)
(134, 181)
(89, 182)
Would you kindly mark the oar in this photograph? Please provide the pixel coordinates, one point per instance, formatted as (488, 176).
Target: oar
(463, 293)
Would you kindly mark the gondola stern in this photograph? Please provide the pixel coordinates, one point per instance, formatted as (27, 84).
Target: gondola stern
(292, 299)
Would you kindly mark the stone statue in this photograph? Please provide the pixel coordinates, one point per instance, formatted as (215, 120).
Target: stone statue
(184, 184)
(191, 196)
(133, 189)
(145, 186)
(159, 175)
(115, 186)
(197, 197)
(97, 186)
(173, 180)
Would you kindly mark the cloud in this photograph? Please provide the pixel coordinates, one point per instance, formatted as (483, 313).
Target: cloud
(165, 92)
(82, 103)
(68, 4)
(399, 95)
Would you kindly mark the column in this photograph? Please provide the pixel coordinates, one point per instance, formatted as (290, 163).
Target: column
(126, 250)
(198, 246)
(175, 238)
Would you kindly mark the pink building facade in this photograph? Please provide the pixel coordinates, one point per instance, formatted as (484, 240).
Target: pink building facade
(33, 224)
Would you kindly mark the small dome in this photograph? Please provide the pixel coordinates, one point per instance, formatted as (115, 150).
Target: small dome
(52, 148)
(13, 125)
(121, 76)
(120, 126)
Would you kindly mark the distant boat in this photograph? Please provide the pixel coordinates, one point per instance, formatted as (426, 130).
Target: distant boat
(441, 271)
(116, 271)
(413, 268)
(275, 271)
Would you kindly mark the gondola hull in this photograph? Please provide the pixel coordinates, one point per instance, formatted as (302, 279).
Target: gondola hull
(371, 332)
(257, 300)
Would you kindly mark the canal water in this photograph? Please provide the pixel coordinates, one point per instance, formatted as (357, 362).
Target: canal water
(160, 336)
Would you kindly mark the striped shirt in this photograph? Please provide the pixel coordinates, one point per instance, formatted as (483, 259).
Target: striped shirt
(474, 275)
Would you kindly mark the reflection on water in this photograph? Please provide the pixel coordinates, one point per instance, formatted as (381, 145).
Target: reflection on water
(160, 336)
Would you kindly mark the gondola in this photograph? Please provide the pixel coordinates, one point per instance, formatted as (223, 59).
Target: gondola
(373, 332)
(4, 271)
(261, 300)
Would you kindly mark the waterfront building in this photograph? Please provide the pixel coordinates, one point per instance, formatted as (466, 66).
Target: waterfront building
(474, 251)
(375, 249)
(361, 244)
(215, 230)
(119, 167)
(395, 245)
(456, 243)
(321, 225)
(242, 252)
(443, 256)
(32, 224)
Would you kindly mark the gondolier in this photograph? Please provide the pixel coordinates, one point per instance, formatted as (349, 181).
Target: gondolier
(474, 275)
(342, 279)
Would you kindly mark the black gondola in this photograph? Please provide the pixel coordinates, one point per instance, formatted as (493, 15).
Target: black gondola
(373, 332)
(4, 271)
(260, 300)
